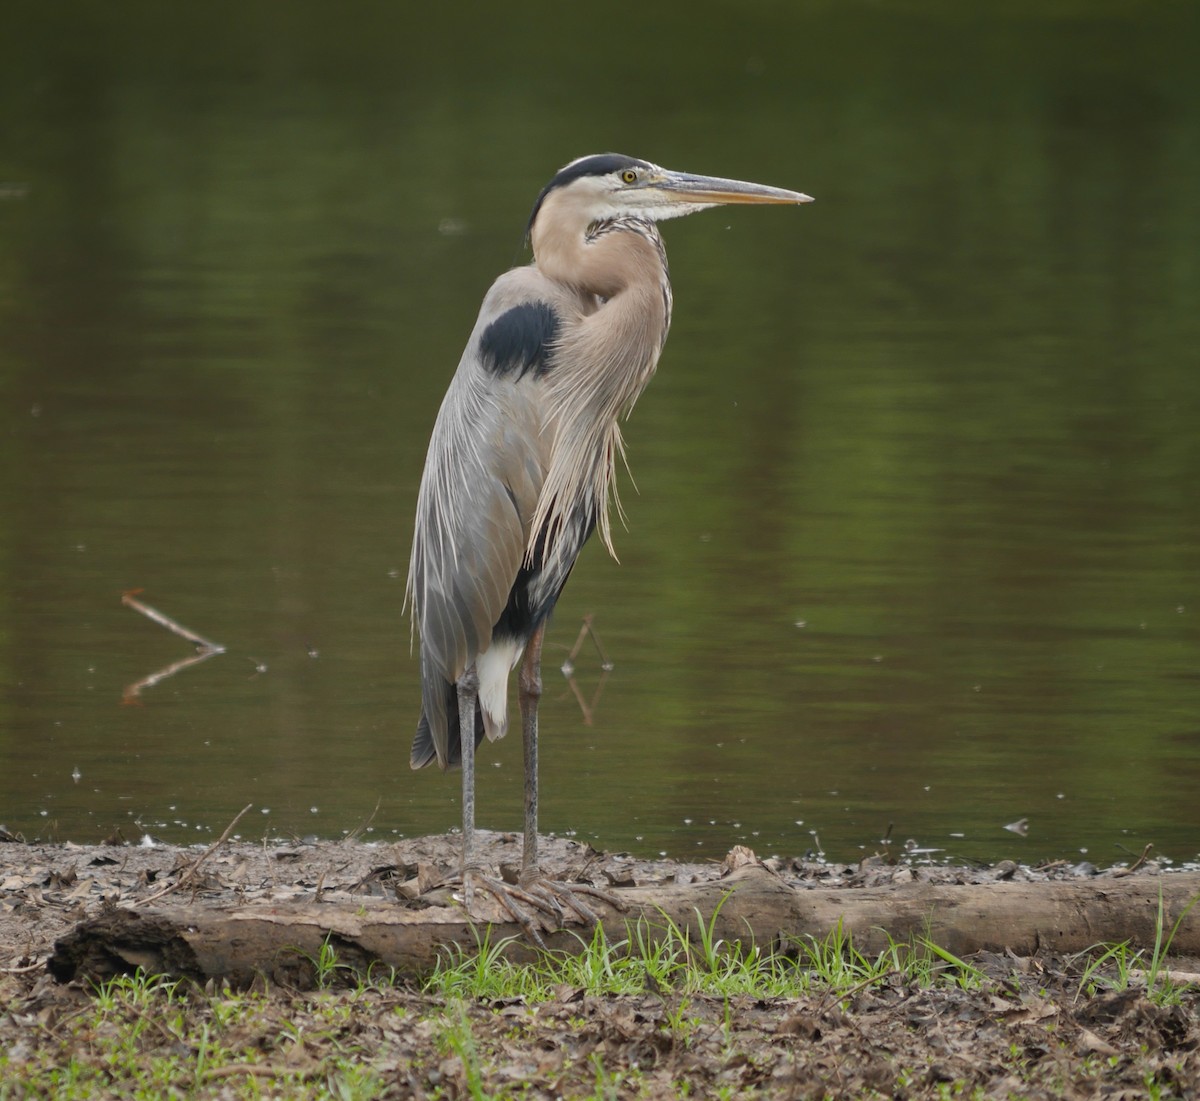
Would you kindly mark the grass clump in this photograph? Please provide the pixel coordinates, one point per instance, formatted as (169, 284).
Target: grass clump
(672, 959)
(1119, 966)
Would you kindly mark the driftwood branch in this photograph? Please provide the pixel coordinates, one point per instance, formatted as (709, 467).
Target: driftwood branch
(279, 942)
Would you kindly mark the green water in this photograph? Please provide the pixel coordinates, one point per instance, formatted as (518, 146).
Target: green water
(917, 531)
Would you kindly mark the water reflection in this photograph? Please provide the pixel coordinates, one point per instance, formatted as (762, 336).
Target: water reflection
(591, 701)
(916, 536)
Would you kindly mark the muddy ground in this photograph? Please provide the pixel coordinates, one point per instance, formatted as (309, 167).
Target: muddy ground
(1032, 1028)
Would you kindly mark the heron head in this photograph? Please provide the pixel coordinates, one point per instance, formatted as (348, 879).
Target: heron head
(610, 185)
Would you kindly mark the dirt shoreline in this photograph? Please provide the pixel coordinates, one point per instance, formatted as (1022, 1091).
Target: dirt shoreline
(1035, 1026)
(47, 888)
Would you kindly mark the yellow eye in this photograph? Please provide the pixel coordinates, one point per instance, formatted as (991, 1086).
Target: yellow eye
(629, 176)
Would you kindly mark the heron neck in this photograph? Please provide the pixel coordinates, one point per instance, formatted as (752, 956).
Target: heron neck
(602, 362)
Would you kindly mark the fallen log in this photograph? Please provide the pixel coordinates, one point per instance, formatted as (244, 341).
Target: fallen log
(282, 942)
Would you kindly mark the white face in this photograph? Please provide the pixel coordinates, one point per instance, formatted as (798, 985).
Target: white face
(640, 191)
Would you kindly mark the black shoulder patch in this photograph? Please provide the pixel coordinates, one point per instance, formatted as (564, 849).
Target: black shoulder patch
(519, 339)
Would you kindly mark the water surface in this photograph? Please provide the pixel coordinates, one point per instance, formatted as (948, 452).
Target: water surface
(916, 537)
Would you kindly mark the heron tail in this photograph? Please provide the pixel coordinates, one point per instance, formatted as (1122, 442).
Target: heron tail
(445, 716)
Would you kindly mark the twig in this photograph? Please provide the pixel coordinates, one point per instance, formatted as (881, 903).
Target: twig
(254, 1070)
(1141, 859)
(834, 996)
(22, 970)
(130, 600)
(190, 872)
(358, 830)
(1182, 978)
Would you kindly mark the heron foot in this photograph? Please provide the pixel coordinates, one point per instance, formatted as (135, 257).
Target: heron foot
(539, 904)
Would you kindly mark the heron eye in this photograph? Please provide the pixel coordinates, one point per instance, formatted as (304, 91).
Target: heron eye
(629, 176)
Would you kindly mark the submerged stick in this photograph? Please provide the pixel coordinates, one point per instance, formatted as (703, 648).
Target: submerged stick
(205, 648)
(130, 600)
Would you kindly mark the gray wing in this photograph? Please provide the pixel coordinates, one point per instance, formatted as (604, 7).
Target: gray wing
(483, 473)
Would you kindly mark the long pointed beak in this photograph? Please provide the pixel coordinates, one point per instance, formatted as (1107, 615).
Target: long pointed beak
(686, 188)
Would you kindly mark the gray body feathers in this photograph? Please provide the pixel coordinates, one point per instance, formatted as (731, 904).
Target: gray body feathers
(520, 467)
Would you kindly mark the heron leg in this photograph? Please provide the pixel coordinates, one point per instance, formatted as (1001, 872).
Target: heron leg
(473, 874)
(551, 896)
(529, 695)
(468, 692)
(537, 898)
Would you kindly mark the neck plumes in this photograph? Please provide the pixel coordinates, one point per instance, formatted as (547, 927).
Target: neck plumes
(600, 364)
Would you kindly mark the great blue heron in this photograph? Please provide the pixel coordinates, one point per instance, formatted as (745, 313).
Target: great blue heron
(521, 463)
